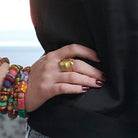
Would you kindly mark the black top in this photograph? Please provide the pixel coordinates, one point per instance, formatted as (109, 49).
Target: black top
(110, 27)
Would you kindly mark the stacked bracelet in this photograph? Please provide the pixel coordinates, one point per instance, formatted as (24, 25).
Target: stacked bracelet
(22, 86)
(6, 89)
(13, 91)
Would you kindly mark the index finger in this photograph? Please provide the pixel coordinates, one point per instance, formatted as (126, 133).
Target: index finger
(75, 50)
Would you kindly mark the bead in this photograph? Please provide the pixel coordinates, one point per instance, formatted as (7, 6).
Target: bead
(21, 104)
(5, 93)
(27, 69)
(15, 67)
(10, 76)
(10, 99)
(16, 90)
(22, 88)
(24, 76)
(20, 95)
(7, 84)
(15, 102)
(19, 67)
(4, 89)
(11, 96)
(10, 116)
(10, 103)
(3, 98)
(16, 86)
(22, 113)
(3, 111)
(13, 72)
(15, 95)
(17, 79)
(10, 107)
(8, 89)
(10, 112)
(15, 107)
(2, 108)
(23, 83)
(14, 116)
(10, 79)
(12, 92)
(3, 104)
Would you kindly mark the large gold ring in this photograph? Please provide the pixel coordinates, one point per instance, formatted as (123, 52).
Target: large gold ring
(66, 65)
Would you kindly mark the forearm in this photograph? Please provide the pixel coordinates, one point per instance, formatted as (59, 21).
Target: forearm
(35, 95)
(34, 98)
(33, 101)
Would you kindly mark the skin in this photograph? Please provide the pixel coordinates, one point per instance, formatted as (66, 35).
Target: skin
(3, 71)
(46, 80)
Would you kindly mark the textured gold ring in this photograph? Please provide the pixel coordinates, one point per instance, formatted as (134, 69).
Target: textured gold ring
(66, 65)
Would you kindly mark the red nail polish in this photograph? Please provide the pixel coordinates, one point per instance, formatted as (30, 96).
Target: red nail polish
(85, 89)
(99, 82)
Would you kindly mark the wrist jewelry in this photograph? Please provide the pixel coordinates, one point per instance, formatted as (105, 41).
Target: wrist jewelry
(13, 91)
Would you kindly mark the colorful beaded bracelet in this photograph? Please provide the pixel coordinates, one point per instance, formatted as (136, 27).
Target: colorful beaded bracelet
(13, 91)
(21, 89)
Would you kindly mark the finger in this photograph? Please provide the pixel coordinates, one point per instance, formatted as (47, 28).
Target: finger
(79, 79)
(76, 50)
(64, 88)
(82, 67)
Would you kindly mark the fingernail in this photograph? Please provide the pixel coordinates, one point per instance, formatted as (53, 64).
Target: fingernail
(85, 89)
(100, 82)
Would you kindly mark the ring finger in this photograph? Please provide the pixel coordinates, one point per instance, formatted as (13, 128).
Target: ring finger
(82, 67)
(77, 78)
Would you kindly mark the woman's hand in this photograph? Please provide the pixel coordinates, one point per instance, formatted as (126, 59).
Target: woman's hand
(4, 66)
(46, 79)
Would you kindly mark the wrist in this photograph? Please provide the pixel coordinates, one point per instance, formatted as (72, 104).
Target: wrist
(14, 81)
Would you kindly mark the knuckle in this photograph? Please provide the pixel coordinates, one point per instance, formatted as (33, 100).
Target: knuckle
(90, 82)
(87, 82)
(54, 89)
(48, 66)
(61, 89)
(48, 77)
(45, 65)
(43, 87)
(50, 55)
(73, 48)
(76, 64)
(71, 77)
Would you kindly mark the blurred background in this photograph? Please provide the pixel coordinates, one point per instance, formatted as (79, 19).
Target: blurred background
(18, 42)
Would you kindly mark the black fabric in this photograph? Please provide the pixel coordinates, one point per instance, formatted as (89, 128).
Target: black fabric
(110, 27)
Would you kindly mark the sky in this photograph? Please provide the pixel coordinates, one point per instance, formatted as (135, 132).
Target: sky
(15, 14)
(18, 40)
(16, 28)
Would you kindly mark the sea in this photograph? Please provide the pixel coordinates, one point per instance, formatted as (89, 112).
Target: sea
(20, 46)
